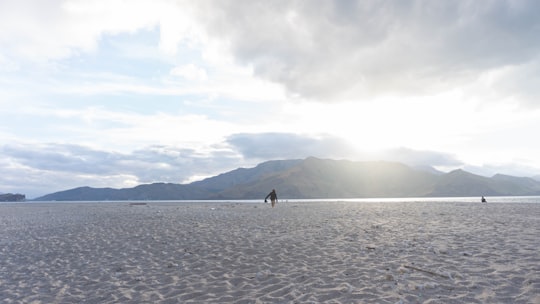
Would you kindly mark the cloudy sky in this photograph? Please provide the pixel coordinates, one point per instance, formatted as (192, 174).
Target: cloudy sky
(119, 93)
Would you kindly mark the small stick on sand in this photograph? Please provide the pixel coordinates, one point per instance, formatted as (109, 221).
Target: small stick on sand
(426, 271)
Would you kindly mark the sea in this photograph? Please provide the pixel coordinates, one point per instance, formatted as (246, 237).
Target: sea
(490, 200)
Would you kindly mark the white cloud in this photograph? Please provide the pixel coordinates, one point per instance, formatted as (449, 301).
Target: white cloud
(331, 51)
(58, 29)
(38, 169)
(190, 72)
(418, 158)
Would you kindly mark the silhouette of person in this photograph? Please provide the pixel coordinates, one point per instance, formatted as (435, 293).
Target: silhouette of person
(273, 197)
(484, 199)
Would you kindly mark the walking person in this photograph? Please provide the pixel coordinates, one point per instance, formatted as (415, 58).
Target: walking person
(273, 197)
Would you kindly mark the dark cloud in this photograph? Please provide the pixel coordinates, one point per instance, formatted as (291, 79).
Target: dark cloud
(331, 50)
(294, 146)
(45, 168)
(62, 157)
(289, 146)
(40, 169)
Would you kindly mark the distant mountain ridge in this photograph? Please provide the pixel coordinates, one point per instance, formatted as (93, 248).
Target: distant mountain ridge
(312, 178)
(10, 197)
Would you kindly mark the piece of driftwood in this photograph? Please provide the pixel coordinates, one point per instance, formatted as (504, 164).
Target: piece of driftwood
(426, 271)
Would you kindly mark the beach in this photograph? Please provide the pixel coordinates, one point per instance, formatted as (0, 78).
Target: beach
(297, 252)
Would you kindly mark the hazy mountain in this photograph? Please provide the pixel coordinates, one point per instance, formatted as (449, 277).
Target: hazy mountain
(428, 169)
(318, 178)
(242, 175)
(158, 191)
(462, 183)
(10, 197)
(516, 185)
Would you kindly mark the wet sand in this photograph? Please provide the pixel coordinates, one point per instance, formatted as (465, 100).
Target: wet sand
(250, 253)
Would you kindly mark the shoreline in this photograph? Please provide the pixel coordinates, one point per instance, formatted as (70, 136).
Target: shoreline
(449, 199)
(337, 252)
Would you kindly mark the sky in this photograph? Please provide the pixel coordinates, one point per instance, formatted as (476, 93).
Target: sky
(112, 93)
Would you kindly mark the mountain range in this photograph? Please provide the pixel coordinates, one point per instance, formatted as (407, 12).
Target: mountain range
(313, 178)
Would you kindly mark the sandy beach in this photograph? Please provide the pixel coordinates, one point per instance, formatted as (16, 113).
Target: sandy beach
(319, 252)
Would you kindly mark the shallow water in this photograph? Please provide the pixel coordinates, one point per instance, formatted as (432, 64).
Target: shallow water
(493, 199)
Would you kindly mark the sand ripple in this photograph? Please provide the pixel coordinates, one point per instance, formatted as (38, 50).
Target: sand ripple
(250, 253)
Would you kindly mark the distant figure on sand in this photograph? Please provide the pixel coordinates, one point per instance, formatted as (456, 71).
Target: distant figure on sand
(484, 199)
(273, 197)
